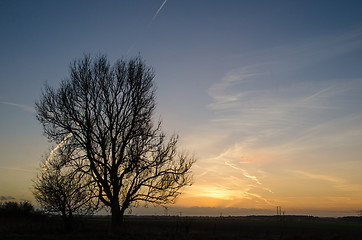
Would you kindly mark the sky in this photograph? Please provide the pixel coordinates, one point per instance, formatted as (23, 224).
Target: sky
(265, 94)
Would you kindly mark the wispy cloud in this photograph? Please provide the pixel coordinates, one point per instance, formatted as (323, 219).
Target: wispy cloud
(276, 102)
(238, 179)
(278, 113)
(327, 178)
(18, 169)
(21, 106)
(278, 68)
(6, 198)
(339, 184)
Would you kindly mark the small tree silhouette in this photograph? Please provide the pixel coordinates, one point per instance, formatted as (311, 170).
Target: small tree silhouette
(59, 189)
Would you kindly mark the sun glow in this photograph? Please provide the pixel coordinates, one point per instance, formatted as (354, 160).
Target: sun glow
(217, 192)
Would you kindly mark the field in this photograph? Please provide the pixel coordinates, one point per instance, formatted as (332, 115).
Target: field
(184, 228)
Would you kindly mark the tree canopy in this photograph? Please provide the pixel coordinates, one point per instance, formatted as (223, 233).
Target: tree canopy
(105, 114)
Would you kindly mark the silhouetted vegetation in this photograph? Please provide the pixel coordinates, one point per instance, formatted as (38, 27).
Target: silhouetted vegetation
(60, 189)
(16, 209)
(103, 114)
(19, 217)
(184, 228)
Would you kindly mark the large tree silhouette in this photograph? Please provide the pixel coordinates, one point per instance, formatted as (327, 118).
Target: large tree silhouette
(106, 113)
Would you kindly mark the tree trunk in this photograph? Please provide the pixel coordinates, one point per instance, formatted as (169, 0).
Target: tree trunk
(66, 220)
(117, 216)
(68, 224)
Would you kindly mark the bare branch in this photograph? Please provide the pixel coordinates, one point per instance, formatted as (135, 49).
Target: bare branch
(108, 112)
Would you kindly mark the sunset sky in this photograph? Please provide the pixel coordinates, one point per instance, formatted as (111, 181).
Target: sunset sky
(267, 95)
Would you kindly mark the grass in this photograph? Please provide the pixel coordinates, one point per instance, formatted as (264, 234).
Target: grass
(184, 228)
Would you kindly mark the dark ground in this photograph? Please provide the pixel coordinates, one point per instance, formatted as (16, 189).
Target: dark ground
(184, 228)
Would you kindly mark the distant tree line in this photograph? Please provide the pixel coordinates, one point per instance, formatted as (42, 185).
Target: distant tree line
(17, 209)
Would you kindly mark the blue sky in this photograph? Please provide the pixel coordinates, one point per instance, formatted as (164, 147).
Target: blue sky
(266, 94)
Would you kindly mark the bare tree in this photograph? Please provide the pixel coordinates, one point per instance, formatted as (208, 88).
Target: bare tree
(106, 112)
(60, 189)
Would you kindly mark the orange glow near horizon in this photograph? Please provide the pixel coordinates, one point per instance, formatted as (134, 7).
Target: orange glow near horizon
(288, 203)
(241, 177)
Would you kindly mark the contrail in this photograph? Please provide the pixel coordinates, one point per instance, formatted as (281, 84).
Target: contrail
(24, 107)
(260, 197)
(245, 173)
(160, 8)
(53, 152)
